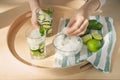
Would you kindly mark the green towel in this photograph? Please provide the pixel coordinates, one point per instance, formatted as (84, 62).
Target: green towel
(101, 59)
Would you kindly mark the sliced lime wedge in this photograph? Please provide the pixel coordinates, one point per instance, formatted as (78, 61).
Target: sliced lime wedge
(86, 38)
(97, 36)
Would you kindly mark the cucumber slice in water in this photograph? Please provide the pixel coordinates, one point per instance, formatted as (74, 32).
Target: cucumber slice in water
(46, 26)
(36, 52)
(41, 17)
(46, 23)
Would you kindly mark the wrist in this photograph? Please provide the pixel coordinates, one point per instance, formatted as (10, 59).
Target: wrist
(91, 6)
(35, 9)
(84, 11)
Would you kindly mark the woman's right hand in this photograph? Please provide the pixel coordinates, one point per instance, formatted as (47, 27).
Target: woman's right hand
(34, 19)
(34, 5)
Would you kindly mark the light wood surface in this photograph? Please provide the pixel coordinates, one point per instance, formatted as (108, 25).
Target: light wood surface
(13, 69)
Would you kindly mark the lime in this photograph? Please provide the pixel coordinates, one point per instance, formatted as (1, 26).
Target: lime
(97, 36)
(99, 26)
(86, 38)
(42, 45)
(93, 45)
(94, 24)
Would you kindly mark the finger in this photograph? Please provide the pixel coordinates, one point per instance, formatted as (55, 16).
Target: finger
(72, 21)
(34, 23)
(82, 28)
(76, 26)
(82, 32)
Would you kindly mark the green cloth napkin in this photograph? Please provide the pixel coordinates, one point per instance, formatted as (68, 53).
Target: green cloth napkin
(101, 59)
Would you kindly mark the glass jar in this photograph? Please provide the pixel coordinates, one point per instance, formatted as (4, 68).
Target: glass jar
(67, 45)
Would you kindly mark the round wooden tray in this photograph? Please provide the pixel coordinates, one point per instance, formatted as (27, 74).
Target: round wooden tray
(18, 46)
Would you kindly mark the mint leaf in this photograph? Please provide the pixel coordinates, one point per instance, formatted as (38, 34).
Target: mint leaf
(48, 11)
(42, 30)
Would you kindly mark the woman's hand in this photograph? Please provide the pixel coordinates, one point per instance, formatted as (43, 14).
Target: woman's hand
(34, 19)
(78, 23)
(34, 5)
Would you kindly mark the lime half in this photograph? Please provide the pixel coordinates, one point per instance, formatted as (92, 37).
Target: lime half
(86, 38)
(97, 36)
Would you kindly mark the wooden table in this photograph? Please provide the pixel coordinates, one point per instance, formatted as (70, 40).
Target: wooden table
(11, 68)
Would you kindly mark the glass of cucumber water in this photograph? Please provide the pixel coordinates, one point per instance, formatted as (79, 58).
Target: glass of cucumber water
(45, 19)
(36, 43)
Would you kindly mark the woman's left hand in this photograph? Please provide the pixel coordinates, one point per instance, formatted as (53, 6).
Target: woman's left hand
(79, 22)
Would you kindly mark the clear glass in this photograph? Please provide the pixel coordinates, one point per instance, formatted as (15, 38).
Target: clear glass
(71, 50)
(36, 43)
(45, 19)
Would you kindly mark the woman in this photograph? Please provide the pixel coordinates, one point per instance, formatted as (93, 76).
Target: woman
(79, 22)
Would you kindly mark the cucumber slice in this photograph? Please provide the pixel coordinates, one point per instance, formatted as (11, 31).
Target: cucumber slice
(42, 50)
(49, 31)
(46, 23)
(34, 47)
(42, 45)
(41, 17)
(47, 26)
(36, 52)
(33, 44)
